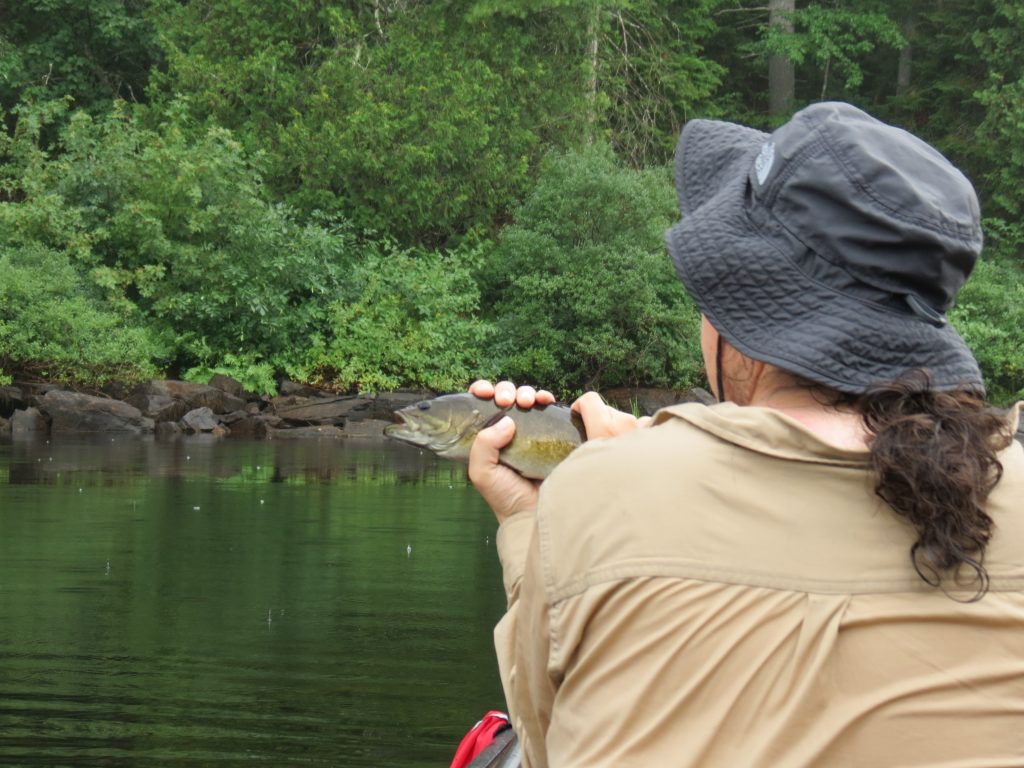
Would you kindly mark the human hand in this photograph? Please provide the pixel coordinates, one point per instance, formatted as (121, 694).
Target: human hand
(505, 490)
(505, 393)
(601, 420)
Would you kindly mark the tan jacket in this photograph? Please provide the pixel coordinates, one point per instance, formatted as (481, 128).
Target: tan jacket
(724, 589)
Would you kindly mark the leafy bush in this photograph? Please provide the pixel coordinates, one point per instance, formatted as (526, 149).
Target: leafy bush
(173, 222)
(583, 290)
(989, 314)
(247, 368)
(411, 320)
(170, 227)
(51, 327)
(411, 121)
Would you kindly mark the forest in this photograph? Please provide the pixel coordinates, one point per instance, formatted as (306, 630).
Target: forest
(374, 194)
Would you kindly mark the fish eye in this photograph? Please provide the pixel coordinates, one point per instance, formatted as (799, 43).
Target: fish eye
(423, 406)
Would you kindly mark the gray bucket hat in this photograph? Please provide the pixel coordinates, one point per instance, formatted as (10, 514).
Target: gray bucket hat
(831, 248)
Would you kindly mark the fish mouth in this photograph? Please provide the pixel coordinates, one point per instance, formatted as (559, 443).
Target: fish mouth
(406, 429)
(411, 429)
(400, 417)
(402, 423)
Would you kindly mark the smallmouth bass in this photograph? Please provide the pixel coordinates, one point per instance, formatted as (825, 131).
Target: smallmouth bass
(448, 425)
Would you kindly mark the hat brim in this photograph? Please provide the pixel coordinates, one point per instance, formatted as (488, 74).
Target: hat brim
(745, 279)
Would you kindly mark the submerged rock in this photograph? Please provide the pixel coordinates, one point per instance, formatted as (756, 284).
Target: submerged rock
(167, 430)
(253, 427)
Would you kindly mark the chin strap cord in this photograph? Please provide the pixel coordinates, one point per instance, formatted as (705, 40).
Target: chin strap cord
(718, 372)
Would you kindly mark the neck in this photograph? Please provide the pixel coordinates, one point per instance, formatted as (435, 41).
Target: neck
(836, 425)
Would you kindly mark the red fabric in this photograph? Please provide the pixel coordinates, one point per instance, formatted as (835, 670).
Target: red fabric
(479, 736)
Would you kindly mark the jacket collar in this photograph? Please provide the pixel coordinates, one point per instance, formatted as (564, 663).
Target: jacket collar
(764, 430)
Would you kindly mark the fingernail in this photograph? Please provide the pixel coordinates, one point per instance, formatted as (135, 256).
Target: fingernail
(505, 423)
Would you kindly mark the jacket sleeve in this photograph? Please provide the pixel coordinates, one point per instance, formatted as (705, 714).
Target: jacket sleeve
(522, 638)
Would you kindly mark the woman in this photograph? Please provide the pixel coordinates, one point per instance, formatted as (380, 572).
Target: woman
(827, 567)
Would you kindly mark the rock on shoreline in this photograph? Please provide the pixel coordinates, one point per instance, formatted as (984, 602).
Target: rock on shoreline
(169, 408)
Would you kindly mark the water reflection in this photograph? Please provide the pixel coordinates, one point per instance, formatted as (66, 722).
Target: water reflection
(105, 460)
(203, 602)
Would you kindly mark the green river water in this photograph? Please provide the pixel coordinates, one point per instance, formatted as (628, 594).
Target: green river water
(223, 603)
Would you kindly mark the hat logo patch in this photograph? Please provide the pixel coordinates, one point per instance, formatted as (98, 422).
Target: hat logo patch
(763, 163)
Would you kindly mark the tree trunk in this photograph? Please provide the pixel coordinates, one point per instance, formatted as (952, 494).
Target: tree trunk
(903, 70)
(593, 30)
(781, 73)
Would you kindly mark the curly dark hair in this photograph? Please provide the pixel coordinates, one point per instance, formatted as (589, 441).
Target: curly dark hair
(935, 459)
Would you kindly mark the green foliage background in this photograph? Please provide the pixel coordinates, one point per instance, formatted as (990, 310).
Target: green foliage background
(385, 193)
(580, 281)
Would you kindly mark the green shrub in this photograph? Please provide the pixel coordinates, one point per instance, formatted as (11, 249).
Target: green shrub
(998, 137)
(412, 121)
(408, 319)
(51, 327)
(247, 368)
(173, 222)
(584, 293)
(989, 314)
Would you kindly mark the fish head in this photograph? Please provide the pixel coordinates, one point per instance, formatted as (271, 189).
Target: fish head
(445, 425)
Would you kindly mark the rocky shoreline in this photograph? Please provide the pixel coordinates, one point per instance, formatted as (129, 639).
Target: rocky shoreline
(222, 408)
(168, 408)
